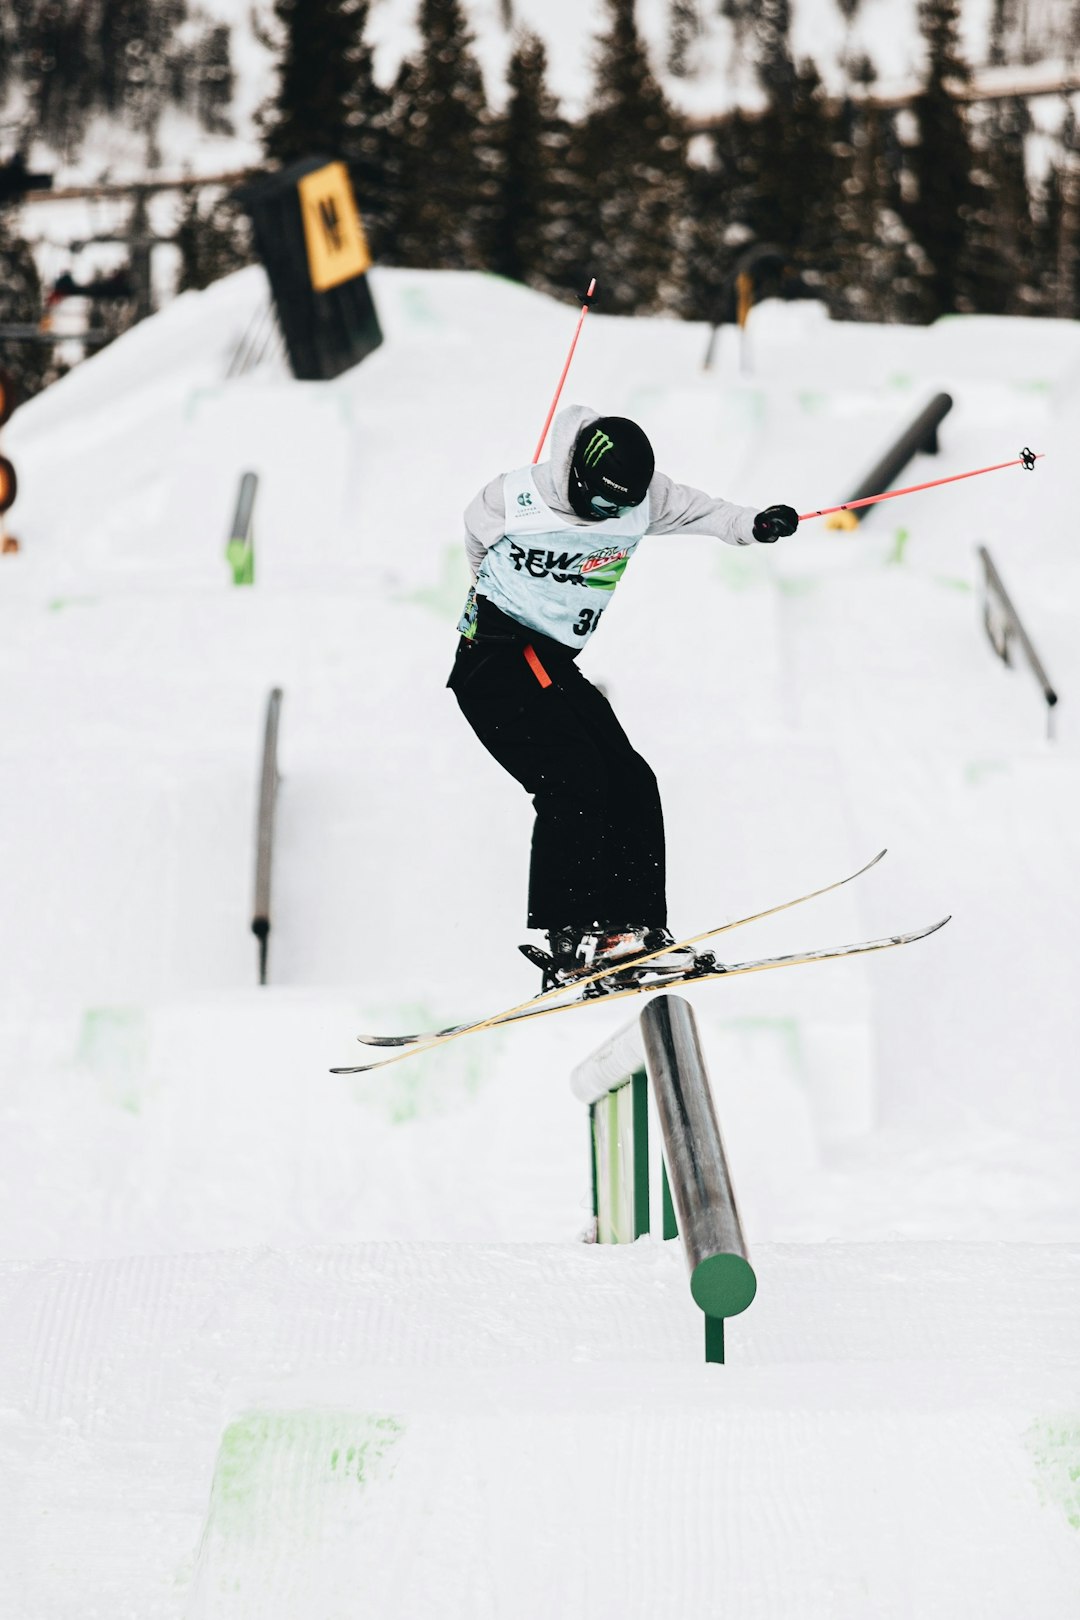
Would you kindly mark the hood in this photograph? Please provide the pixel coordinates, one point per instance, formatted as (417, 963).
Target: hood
(553, 475)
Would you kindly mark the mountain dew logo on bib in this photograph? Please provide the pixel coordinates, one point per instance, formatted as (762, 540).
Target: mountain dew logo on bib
(604, 569)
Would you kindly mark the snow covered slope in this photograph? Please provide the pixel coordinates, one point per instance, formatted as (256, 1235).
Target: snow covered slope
(221, 1267)
(473, 1430)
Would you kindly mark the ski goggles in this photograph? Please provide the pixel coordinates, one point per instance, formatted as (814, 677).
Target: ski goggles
(586, 504)
(609, 509)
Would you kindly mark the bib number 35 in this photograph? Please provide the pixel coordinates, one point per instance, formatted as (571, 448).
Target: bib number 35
(587, 621)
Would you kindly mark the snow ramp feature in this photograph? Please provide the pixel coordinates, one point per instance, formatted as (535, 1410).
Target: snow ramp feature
(919, 436)
(529, 1430)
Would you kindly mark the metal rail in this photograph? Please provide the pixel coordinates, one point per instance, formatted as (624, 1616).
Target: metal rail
(699, 1201)
(240, 547)
(1003, 623)
(919, 435)
(264, 835)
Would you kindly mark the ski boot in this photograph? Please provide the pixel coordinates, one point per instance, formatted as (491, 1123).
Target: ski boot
(577, 953)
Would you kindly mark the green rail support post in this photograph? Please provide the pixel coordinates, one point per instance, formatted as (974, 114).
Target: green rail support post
(620, 1154)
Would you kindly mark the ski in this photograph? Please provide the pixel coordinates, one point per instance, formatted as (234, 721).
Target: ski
(432, 1036)
(692, 976)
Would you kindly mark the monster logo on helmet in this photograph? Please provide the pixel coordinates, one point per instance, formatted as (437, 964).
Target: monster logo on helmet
(611, 468)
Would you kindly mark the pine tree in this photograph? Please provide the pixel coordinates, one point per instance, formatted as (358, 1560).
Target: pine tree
(1057, 237)
(315, 109)
(797, 178)
(367, 143)
(997, 263)
(721, 195)
(1002, 23)
(739, 14)
(127, 58)
(327, 103)
(526, 136)
(1057, 228)
(31, 365)
(941, 163)
(52, 55)
(446, 179)
(633, 147)
(684, 26)
(214, 239)
(214, 80)
(874, 275)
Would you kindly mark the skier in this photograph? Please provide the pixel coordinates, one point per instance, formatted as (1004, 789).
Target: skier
(547, 545)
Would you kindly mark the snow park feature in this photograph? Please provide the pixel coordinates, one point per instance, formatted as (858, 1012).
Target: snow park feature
(311, 241)
(269, 782)
(1004, 626)
(278, 1343)
(659, 1058)
(240, 547)
(920, 435)
(1026, 459)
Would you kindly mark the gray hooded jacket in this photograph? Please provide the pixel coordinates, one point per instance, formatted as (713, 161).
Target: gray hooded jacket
(674, 508)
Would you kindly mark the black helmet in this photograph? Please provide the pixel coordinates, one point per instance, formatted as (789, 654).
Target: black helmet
(611, 468)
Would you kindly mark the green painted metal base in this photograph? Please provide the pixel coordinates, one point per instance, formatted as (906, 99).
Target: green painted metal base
(620, 1162)
(714, 1338)
(240, 555)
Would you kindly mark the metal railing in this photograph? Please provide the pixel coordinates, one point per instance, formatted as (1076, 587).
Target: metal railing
(661, 1047)
(269, 779)
(1003, 625)
(240, 548)
(919, 435)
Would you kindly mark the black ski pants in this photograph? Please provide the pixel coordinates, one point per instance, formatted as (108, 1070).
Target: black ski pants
(598, 841)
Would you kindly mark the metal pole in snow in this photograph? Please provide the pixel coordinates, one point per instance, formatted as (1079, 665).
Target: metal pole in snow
(589, 296)
(1026, 458)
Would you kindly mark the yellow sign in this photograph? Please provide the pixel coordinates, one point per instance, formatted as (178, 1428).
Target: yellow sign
(337, 248)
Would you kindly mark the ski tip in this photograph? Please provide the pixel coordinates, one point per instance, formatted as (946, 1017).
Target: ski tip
(355, 1068)
(412, 1040)
(924, 933)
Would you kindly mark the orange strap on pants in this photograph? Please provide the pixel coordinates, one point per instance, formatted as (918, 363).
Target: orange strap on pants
(533, 661)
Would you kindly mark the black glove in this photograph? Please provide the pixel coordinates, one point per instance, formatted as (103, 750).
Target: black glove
(775, 521)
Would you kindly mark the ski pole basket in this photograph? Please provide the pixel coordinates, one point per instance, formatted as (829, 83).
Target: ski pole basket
(661, 1050)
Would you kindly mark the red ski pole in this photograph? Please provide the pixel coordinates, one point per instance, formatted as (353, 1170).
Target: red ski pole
(589, 296)
(1026, 458)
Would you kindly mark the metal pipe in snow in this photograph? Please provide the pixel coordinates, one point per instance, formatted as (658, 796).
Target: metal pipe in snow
(1026, 458)
(589, 296)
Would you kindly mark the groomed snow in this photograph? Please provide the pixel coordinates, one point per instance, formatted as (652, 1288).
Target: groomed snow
(276, 1343)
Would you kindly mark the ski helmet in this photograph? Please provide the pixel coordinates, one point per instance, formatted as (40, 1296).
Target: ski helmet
(611, 468)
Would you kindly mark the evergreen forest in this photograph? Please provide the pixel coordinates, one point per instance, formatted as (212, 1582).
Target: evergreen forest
(941, 206)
